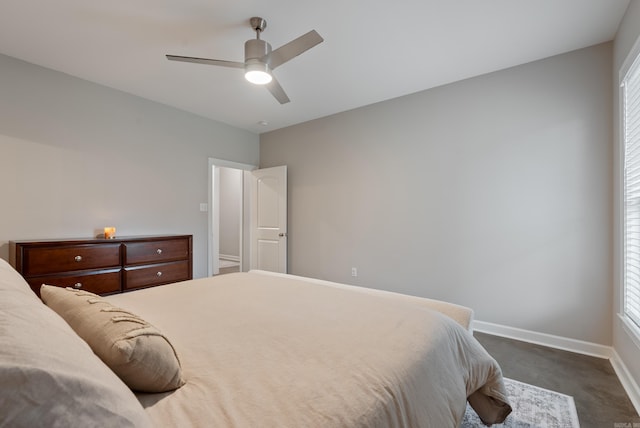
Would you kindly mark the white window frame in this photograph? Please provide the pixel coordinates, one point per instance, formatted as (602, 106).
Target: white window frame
(630, 204)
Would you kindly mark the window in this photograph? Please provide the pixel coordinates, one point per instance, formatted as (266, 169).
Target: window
(631, 135)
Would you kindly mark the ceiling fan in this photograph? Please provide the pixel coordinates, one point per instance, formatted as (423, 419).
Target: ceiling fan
(260, 60)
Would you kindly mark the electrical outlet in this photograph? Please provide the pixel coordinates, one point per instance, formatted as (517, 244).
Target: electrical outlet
(354, 271)
(204, 207)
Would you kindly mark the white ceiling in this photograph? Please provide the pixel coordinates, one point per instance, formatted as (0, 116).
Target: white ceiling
(374, 50)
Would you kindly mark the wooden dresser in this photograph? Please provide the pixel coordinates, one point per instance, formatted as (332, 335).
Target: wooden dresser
(104, 266)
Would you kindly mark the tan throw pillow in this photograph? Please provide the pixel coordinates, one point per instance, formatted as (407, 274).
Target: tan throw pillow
(134, 349)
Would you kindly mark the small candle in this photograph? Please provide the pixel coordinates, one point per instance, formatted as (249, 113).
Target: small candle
(109, 232)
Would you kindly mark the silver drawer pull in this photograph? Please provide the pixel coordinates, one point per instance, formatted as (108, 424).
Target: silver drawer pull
(159, 251)
(78, 258)
(159, 274)
(77, 285)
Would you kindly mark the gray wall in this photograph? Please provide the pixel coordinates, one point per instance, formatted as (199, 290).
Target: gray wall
(625, 345)
(493, 192)
(76, 156)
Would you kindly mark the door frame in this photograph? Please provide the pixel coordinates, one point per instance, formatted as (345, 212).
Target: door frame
(213, 245)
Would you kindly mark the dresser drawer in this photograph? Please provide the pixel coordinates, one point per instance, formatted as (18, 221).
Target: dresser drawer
(162, 273)
(98, 283)
(156, 251)
(54, 259)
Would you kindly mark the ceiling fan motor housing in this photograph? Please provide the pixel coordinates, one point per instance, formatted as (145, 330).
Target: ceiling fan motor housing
(257, 51)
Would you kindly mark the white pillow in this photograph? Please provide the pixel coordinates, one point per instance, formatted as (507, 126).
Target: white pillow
(49, 375)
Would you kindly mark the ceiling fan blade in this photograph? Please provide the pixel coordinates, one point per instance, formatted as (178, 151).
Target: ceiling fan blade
(206, 61)
(277, 91)
(294, 48)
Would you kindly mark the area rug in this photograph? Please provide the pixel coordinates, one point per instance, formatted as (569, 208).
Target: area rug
(533, 407)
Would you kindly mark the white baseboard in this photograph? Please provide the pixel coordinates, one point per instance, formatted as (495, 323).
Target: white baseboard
(544, 339)
(229, 257)
(627, 381)
(593, 349)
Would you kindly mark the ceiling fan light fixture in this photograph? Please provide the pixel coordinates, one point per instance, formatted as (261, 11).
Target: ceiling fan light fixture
(257, 77)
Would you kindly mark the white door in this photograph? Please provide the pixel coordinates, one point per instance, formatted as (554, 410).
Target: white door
(269, 219)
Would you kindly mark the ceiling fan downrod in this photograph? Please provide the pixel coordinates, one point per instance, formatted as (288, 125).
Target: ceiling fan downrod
(258, 24)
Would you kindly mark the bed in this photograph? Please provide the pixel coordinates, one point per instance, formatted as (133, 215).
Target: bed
(240, 350)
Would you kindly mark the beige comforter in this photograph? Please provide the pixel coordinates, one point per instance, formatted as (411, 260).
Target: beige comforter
(266, 351)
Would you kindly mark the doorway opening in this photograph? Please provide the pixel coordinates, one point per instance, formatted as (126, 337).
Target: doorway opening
(230, 209)
(228, 234)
